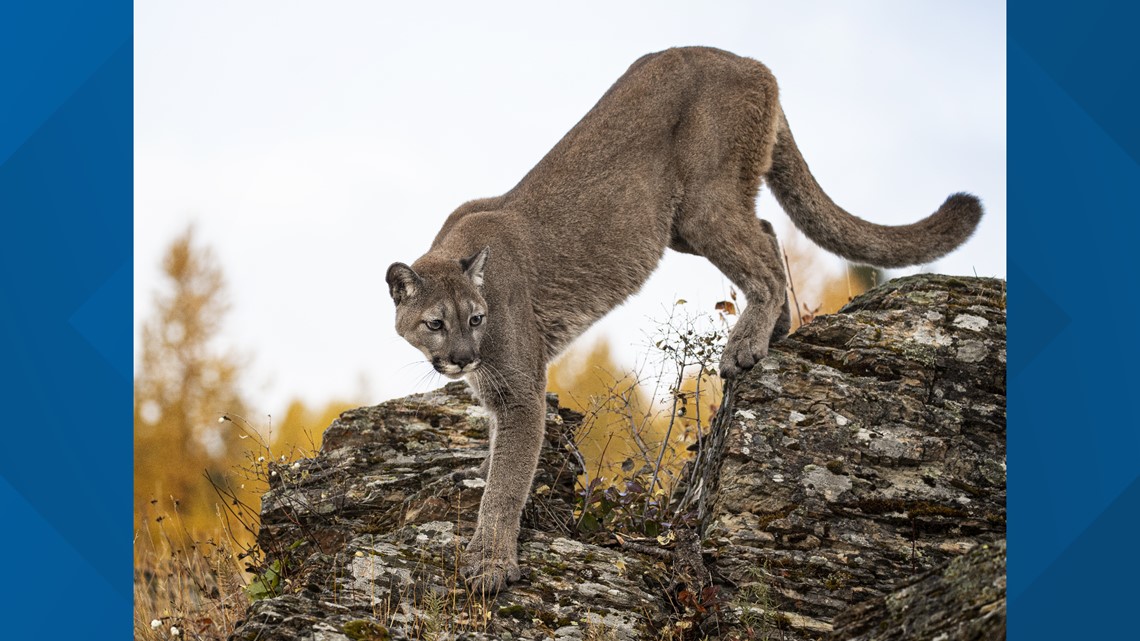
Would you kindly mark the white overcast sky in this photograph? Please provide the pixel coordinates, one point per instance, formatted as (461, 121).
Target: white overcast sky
(313, 144)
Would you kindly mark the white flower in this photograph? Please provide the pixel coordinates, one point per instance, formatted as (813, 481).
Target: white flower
(154, 623)
(261, 459)
(174, 631)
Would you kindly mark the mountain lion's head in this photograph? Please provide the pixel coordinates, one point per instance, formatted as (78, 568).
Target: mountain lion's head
(440, 310)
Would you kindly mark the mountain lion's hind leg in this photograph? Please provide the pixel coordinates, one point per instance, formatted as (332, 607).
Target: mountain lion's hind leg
(744, 249)
(784, 322)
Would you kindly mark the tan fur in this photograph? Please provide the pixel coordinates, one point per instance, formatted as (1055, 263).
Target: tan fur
(671, 156)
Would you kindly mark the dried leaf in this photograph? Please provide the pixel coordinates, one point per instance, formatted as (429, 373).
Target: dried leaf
(726, 306)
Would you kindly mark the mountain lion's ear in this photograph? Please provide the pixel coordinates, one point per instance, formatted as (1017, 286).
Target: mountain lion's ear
(403, 282)
(473, 266)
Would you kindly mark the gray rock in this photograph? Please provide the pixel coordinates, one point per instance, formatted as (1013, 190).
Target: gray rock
(899, 460)
(866, 453)
(963, 600)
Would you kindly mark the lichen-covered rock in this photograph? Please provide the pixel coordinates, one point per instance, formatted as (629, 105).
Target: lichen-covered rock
(963, 600)
(407, 584)
(370, 532)
(865, 452)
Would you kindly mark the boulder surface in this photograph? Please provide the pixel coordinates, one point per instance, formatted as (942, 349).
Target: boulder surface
(852, 487)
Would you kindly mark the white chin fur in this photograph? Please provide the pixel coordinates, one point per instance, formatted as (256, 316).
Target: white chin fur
(455, 373)
(470, 369)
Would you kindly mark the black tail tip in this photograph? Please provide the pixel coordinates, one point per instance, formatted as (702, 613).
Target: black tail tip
(964, 207)
(964, 202)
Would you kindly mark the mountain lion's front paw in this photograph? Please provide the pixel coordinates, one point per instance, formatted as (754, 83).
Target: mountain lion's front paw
(467, 474)
(487, 573)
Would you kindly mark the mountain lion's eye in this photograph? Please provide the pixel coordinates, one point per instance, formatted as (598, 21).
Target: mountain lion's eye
(476, 320)
(434, 325)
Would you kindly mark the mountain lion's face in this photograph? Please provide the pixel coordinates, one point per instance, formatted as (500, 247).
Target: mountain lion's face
(440, 310)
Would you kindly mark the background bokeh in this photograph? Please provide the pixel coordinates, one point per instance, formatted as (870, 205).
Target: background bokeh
(312, 145)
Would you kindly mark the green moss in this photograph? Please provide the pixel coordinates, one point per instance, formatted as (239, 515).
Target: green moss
(881, 506)
(767, 518)
(364, 630)
(996, 518)
(935, 509)
(836, 580)
(555, 568)
(835, 467)
(515, 611)
(546, 617)
(912, 509)
(781, 562)
(972, 490)
(921, 354)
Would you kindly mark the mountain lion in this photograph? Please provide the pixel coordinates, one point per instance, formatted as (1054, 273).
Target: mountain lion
(671, 156)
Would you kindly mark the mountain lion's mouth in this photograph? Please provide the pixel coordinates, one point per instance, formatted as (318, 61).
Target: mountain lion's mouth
(455, 372)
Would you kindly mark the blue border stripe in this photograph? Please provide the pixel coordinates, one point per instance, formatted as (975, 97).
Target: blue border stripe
(65, 316)
(1074, 446)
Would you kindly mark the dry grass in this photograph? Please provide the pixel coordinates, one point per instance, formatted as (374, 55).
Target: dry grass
(191, 584)
(185, 587)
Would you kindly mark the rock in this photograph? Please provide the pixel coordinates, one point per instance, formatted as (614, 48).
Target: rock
(865, 453)
(963, 600)
(866, 450)
(371, 530)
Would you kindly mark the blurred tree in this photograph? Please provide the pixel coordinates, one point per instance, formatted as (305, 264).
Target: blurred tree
(183, 386)
(299, 433)
(618, 412)
(817, 288)
(625, 428)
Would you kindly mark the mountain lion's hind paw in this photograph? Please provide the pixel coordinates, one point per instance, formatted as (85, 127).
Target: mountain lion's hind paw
(741, 356)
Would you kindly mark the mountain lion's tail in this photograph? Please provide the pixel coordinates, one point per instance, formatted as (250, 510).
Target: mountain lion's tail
(854, 238)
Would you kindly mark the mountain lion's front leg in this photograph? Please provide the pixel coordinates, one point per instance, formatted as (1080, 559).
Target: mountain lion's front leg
(491, 559)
